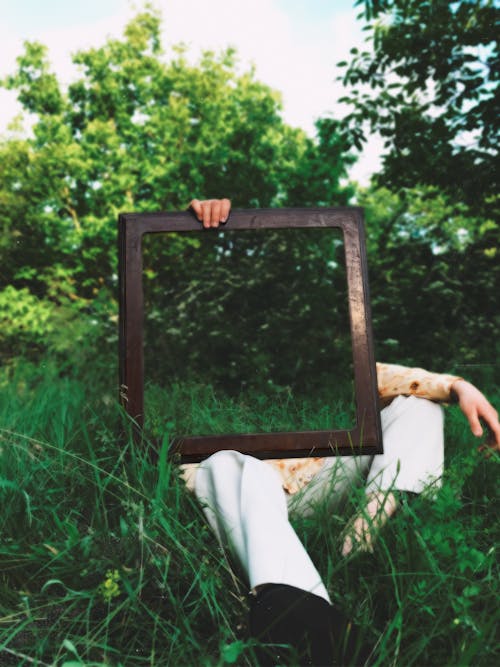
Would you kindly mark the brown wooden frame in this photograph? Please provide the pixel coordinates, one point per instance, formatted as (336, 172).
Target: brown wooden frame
(364, 438)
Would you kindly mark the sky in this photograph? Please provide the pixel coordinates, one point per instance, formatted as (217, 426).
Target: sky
(293, 44)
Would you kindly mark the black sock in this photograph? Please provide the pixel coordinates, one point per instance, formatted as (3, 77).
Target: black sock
(282, 614)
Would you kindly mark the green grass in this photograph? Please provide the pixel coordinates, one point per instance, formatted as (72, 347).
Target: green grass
(105, 558)
(198, 409)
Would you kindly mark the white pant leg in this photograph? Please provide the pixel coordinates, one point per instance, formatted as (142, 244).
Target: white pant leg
(412, 430)
(246, 506)
(331, 485)
(413, 454)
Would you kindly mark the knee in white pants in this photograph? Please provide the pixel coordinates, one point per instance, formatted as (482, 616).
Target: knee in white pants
(217, 476)
(220, 462)
(226, 471)
(232, 486)
(413, 446)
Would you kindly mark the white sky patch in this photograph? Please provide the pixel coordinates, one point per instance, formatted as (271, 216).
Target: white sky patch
(297, 58)
(288, 58)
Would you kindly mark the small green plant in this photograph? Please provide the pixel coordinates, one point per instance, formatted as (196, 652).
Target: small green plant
(110, 587)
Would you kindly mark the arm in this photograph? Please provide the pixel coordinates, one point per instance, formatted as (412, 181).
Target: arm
(394, 380)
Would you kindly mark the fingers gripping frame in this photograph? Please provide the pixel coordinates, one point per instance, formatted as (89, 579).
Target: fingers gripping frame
(365, 437)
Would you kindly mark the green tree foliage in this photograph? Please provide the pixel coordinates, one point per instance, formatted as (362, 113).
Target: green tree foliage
(429, 86)
(434, 276)
(427, 82)
(136, 131)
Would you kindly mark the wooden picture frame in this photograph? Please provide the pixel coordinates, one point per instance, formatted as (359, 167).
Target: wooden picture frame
(364, 438)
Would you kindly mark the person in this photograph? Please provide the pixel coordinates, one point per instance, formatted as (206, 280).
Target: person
(247, 501)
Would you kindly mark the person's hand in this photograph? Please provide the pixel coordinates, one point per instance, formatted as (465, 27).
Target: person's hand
(476, 406)
(211, 212)
(362, 530)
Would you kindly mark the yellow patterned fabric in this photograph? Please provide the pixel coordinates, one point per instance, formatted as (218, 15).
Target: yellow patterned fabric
(392, 381)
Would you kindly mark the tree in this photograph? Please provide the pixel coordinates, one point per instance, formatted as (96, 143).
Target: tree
(136, 132)
(434, 276)
(433, 72)
(428, 85)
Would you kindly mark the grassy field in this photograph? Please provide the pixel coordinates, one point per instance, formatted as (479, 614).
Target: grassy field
(105, 558)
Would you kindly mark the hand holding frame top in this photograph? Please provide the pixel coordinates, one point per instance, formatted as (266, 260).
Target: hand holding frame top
(211, 212)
